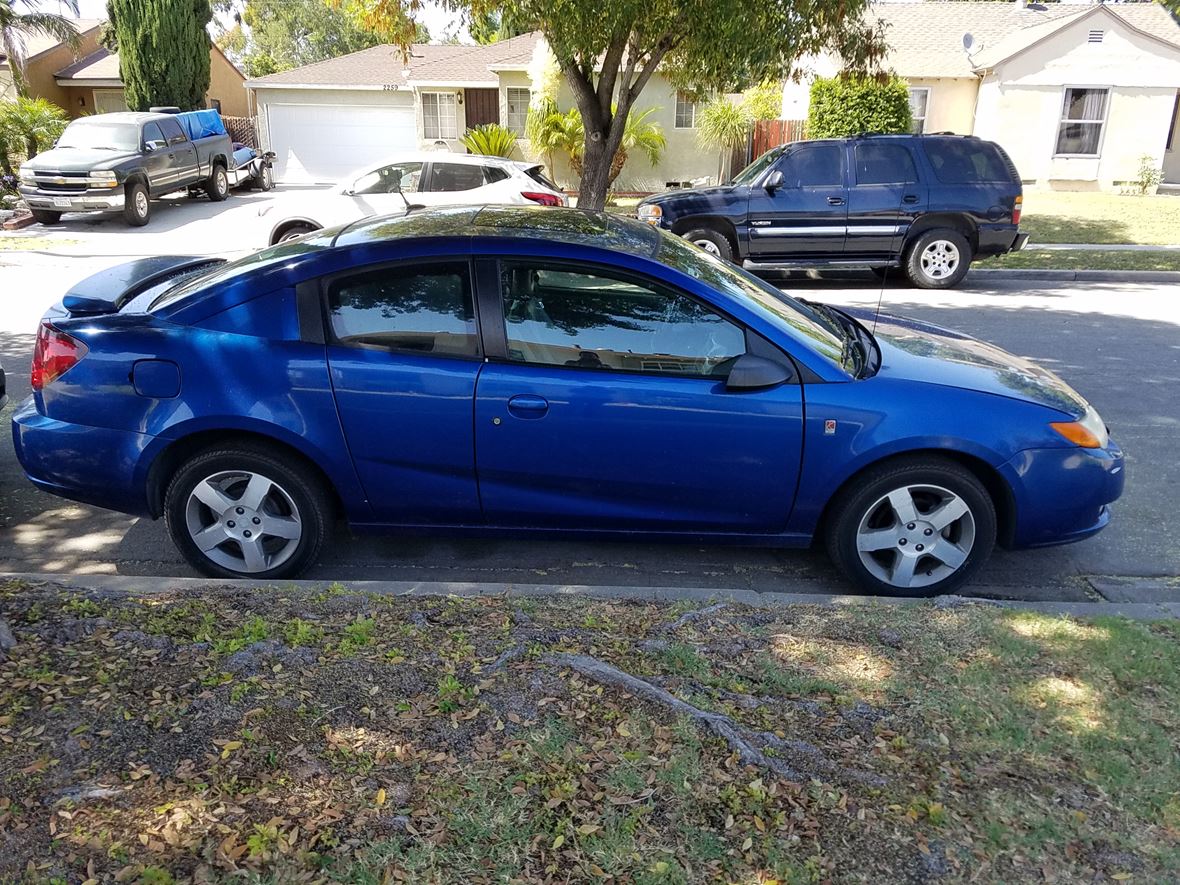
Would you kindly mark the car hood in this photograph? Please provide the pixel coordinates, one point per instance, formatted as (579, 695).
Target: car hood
(931, 354)
(705, 194)
(78, 159)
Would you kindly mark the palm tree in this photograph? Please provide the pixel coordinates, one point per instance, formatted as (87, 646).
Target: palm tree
(16, 27)
(564, 133)
(32, 123)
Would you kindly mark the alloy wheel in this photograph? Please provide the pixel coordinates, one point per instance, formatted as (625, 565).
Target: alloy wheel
(708, 245)
(915, 536)
(940, 259)
(243, 521)
(141, 204)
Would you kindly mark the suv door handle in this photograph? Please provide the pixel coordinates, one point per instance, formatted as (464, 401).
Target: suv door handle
(910, 198)
(835, 201)
(526, 405)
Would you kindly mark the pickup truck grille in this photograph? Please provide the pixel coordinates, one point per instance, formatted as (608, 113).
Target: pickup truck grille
(62, 182)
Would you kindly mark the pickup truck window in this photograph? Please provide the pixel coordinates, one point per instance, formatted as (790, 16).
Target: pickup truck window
(884, 163)
(814, 166)
(98, 134)
(172, 132)
(153, 138)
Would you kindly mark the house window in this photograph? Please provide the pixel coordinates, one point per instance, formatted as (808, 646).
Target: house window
(518, 109)
(439, 116)
(686, 110)
(919, 103)
(215, 104)
(1083, 115)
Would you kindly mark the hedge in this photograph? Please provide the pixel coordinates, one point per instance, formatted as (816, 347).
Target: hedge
(851, 106)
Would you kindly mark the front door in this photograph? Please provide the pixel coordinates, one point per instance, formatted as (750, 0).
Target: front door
(481, 106)
(609, 410)
(884, 199)
(806, 215)
(157, 159)
(403, 353)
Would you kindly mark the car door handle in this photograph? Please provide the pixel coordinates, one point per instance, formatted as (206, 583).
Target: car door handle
(835, 201)
(526, 405)
(910, 198)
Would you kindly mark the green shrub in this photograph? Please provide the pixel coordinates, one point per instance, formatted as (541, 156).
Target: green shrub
(490, 139)
(843, 106)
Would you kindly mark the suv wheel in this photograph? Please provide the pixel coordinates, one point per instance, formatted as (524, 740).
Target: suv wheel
(137, 208)
(711, 241)
(46, 216)
(217, 187)
(938, 259)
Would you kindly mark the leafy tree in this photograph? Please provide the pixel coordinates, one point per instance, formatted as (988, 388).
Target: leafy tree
(842, 106)
(163, 50)
(764, 101)
(494, 25)
(16, 26)
(724, 125)
(29, 123)
(491, 140)
(608, 51)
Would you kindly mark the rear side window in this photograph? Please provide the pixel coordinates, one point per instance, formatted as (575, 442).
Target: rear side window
(884, 163)
(421, 309)
(966, 161)
(172, 132)
(455, 177)
(492, 174)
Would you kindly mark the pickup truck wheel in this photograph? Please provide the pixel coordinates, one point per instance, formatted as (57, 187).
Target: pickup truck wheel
(46, 216)
(217, 187)
(712, 242)
(266, 179)
(938, 259)
(137, 207)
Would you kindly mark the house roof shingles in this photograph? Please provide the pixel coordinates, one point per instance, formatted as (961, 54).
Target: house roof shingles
(100, 65)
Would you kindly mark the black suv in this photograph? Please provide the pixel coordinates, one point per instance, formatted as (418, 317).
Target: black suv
(930, 204)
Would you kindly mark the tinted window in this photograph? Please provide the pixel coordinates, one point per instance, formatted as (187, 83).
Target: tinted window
(493, 174)
(965, 160)
(421, 309)
(455, 177)
(387, 179)
(816, 166)
(537, 174)
(751, 172)
(559, 317)
(171, 130)
(153, 138)
(884, 163)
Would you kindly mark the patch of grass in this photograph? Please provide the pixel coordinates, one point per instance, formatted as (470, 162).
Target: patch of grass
(1085, 259)
(253, 630)
(27, 243)
(297, 632)
(357, 635)
(1073, 217)
(683, 660)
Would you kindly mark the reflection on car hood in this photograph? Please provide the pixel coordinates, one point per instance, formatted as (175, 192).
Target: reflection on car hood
(68, 159)
(924, 352)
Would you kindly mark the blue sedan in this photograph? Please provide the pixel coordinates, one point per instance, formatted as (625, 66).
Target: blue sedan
(512, 371)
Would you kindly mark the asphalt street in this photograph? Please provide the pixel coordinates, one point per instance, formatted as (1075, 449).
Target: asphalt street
(1118, 344)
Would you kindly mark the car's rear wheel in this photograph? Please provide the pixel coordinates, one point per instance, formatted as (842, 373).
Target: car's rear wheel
(266, 179)
(137, 205)
(293, 232)
(713, 242)
(242, 512)
(919, 526)
(217, 187)
(938, 259)
(46, 216)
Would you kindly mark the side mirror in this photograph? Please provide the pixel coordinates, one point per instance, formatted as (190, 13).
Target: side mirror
(751, 372)
(773, 181)
(148, 147)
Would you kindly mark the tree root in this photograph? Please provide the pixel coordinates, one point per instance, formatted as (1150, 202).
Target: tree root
(512, 654)
(689, 617)
(807, 761)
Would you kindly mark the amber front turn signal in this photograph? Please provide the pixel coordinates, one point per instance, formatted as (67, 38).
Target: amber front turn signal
(1077, 434)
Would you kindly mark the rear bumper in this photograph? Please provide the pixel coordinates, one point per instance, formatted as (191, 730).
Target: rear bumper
(997, 239)
(89, 201)
(1063, 495)
(93, 465)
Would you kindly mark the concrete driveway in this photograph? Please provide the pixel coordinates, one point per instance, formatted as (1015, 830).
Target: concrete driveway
(1119, 344)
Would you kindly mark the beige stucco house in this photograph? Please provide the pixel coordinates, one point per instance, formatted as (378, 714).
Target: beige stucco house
(326, 119)
(44, 57)
(1077, 94)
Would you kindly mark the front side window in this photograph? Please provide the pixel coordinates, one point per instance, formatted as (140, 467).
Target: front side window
(919, 103)
(426, 310)
(153, 138)
(389, 179)
(884, 163)
(821, 165)
(455, 176)
(439, 116)
(560, 317)
(1083, 114)
(686, 110)
(518, 109)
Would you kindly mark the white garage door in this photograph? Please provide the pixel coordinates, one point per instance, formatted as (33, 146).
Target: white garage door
(322, 143)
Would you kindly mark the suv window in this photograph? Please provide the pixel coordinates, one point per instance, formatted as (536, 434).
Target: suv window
(420, 309)
(965, 161)
(884, 163)
(455, 177)
(385, 180)
(172, 131)
(153, 138)
(817, 165)
(492, 174)
(560, 317)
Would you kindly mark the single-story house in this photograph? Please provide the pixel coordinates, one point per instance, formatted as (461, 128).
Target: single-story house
(1076, 93)
(326, 119)
(86, 80)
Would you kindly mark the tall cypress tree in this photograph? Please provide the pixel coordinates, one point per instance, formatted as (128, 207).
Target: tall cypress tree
(163, 51)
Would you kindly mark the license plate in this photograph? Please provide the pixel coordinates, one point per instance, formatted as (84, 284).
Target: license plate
(62, 202)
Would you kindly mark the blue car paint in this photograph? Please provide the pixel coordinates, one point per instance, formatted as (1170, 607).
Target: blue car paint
(411, 441)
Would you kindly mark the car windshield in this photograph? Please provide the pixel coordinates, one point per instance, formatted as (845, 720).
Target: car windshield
(751, 172)
(100, 135)
(825, 338)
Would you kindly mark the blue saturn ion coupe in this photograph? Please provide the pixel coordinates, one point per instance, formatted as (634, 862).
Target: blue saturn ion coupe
(514, 371)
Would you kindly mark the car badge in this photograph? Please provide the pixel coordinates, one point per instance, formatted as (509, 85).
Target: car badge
(830, 427)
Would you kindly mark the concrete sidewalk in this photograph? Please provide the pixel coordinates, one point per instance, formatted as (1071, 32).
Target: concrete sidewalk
(1099, 247)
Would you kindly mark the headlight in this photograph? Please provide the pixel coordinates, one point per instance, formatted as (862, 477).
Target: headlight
(1089, 431)
(103, 178)
(26, 173)
(651, 213)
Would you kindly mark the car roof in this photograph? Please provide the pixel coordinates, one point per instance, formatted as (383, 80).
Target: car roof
(551, 223)
(123, 117)
(439, 157)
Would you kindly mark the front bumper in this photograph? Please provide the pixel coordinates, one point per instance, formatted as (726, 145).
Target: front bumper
(1063, 495)
(92, 200)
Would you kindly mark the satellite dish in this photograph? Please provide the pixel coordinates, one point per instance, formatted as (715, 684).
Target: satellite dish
(968, 42)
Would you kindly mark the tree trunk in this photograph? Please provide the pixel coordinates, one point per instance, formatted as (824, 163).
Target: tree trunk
(601, 148)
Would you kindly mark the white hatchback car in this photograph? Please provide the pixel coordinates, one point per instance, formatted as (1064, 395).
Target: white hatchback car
(424, 179)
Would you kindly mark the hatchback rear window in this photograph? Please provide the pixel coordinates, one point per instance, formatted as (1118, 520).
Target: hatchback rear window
(537, 174)
(966, 161)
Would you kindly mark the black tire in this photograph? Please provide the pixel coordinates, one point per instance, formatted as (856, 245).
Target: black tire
(925, 269)
(293, 232)
(46, 216)
(137, 207)
(266, 179)
(711, 241)
(217, 185)
(298, 494)
(864, 501)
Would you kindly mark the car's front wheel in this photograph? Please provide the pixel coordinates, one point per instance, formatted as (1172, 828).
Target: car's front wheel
(920, 526)
(294, 232)
(242, 512)
(938, 259)
(713, 242)
(137, 207)
(46, 216)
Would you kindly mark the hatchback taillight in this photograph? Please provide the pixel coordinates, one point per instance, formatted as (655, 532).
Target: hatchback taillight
(54, 354)
(542, 198)
(1016, 210)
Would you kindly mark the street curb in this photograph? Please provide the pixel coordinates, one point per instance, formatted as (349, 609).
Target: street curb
(982, 275)
(151, 585)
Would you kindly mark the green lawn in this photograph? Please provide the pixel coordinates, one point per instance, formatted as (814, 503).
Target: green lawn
(1085, 259)
(1068, 217)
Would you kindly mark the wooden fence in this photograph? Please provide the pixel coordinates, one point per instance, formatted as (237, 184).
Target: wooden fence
(772, 133)
(243, 130)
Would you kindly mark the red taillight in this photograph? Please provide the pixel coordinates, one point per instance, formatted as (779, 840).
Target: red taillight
(1016, 210)
(54, 354)
(542, 198)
